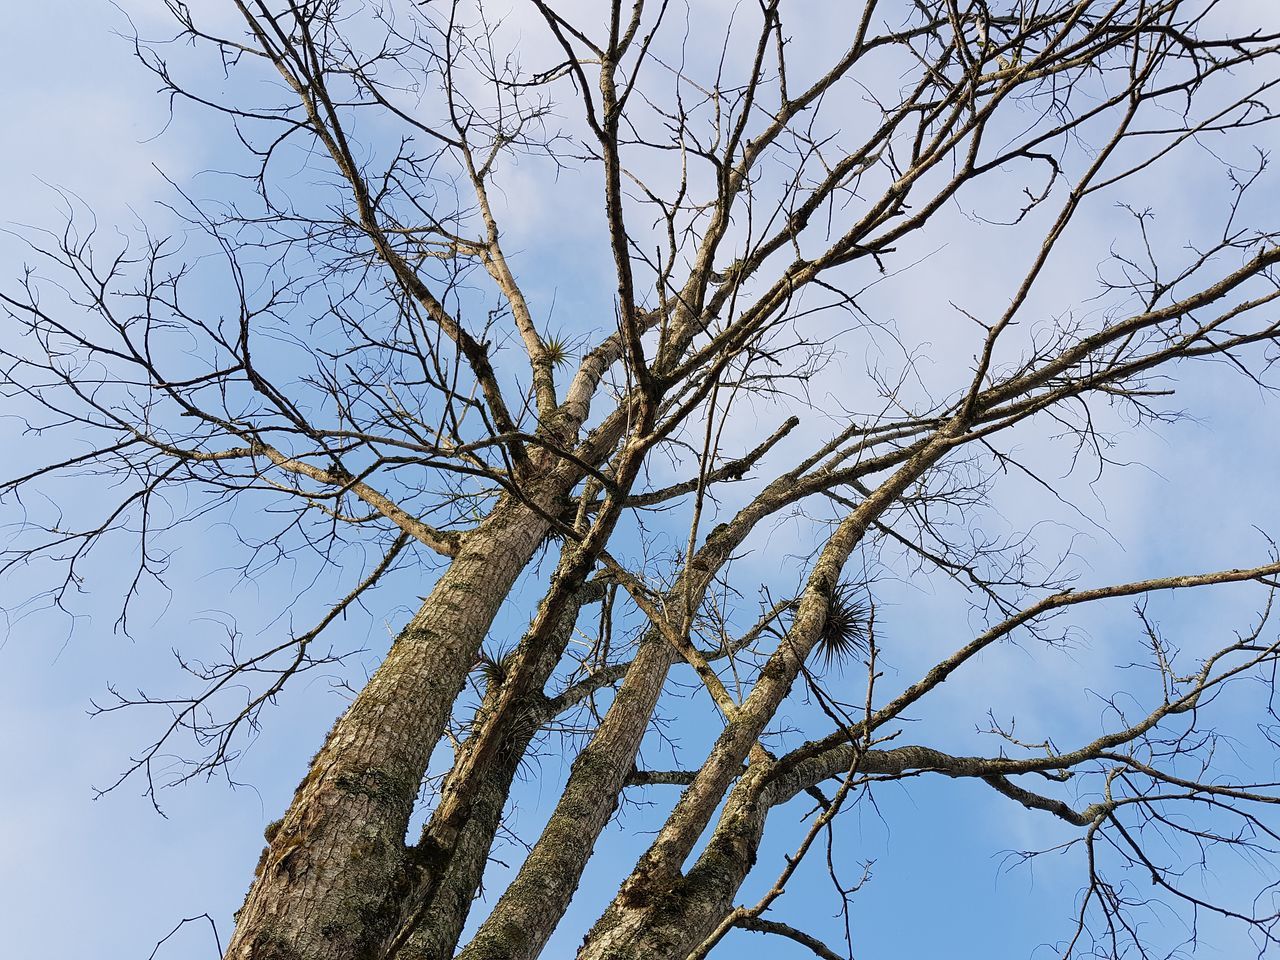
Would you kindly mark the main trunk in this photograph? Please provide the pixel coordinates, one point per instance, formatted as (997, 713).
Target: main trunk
(336, 867)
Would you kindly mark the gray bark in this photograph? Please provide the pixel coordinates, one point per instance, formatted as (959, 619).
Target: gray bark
(337, 864)
(533, 904)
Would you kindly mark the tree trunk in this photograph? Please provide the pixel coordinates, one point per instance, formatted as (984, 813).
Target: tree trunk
(336, 867)
(673, 920)
(433, 917)
(534, 903)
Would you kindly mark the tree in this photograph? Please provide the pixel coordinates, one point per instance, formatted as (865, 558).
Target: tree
(349, 354)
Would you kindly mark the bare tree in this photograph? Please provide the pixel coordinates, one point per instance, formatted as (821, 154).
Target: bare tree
(352, 353)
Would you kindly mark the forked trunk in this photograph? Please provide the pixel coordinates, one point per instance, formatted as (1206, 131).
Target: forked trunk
(336, 867)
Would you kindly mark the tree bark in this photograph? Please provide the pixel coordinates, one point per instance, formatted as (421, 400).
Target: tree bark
(535, 901)
(336, 867)
(658, 907)
(433, 917)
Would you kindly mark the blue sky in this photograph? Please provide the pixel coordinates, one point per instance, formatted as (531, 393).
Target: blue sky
(81, 115)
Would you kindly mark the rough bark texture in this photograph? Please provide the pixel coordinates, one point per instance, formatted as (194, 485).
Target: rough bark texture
(331, 878)
(533, 904)
(432, 917)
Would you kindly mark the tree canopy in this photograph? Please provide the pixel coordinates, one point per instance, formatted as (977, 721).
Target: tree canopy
(732, 406)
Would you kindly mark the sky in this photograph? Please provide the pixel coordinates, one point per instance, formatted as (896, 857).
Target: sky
(107, 877)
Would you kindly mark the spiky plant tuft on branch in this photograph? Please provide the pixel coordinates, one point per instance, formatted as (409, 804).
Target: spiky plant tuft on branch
(845, 631)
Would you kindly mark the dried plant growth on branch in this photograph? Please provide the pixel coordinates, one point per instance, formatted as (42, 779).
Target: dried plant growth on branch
(355, 353)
